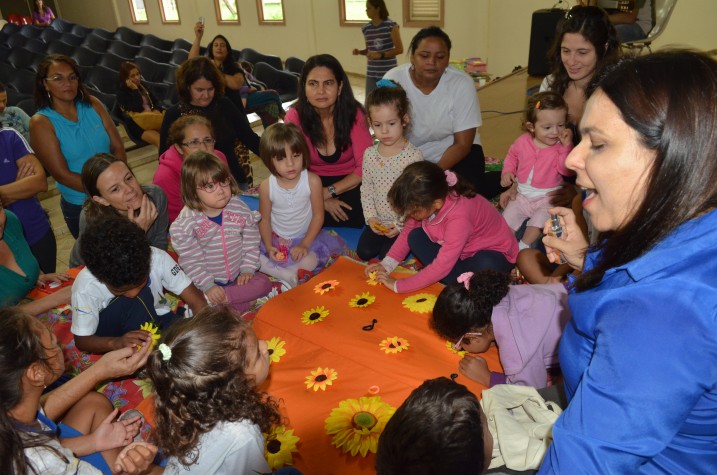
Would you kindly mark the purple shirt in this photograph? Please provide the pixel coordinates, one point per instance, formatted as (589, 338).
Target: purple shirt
(13, 147)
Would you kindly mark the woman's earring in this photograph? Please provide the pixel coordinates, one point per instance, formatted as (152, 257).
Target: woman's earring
(49, 97)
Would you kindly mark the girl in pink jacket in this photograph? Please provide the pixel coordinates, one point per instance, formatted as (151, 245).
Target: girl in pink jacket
(448, 227)
(216, 235)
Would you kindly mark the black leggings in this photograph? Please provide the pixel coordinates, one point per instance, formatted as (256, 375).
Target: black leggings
(45, 251)
(351, 198)
(472, 169)
(371, 244)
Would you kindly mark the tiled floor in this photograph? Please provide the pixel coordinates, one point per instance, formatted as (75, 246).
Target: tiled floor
(143, 162)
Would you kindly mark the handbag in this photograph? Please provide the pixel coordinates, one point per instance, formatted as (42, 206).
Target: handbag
(147, 120)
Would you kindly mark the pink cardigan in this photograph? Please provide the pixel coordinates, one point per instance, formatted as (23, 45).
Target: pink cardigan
(351, 160)
(463, 226)
(168, 176)
(548, 164)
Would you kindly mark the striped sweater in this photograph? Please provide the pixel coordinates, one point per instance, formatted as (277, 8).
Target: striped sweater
(209, 252)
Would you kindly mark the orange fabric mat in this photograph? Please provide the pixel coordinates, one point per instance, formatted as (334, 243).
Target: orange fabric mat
(339, 343)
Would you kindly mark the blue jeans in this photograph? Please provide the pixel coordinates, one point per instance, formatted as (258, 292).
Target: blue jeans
(71, 213)
(628, 33)
(426, 251)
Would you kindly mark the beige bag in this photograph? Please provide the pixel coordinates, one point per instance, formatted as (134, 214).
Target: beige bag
(148, 120)
(521, 423)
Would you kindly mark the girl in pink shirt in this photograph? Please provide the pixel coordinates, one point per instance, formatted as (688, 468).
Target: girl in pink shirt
(536, 164)
(448, 227)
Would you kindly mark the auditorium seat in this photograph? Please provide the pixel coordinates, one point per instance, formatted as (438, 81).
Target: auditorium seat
(151, 70)
(157, 42)
(120, 48)
(178, 56)
(294, 65)
(255, 57)
(155, 54)
(60, 47)
(112, 61)
(285, 83)
(50, 34)
(95, 43)
(86, 57)
(103, 79)
(128, 35)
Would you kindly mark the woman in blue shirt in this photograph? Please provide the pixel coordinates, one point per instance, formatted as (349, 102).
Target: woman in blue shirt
(639, 355)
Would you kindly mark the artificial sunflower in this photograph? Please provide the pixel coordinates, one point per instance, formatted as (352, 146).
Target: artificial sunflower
(320, 378)
(449, 347)
(394, 345)
(420, 303)
(314, 315)
(357, 424)
(279, 444)
(362, 300)
(322, 287)
(372, 278)
(276, 349)
(154, 330)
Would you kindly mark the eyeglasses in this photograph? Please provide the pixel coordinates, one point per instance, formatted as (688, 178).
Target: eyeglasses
(213, 186)
(57, 79)
(466, 338)
(196, 143)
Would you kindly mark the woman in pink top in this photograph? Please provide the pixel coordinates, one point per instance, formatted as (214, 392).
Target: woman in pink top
(449, 228)
(336, 131)
(187, 135)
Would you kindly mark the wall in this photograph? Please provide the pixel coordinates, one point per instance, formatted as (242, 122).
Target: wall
(496, 30)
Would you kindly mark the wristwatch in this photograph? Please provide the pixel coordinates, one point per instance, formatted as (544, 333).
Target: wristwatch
(332, 190)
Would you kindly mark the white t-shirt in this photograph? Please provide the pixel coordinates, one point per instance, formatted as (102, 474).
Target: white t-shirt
(90, 296)
(231, 448)
(451, 107)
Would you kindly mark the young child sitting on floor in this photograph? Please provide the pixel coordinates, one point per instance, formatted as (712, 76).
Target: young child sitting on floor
(217, 236)
(209, 413)
(449, 228)
(536, 162)
(383, 163)
(525, 321)
(122, 287)
(440, 428)
(292, 208)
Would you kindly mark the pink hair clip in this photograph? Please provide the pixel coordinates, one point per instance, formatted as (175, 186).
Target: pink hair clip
(451, 178)
(465, 279)
(537, 105)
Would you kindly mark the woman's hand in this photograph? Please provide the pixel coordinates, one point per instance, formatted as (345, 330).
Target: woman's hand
(508, 195)
(199, 30)
(60, 277)
(244, 278)
(475, 368)
(566, 137)
(335, 207)
(131, 85)
(147, 214)
(298, 252)
(111, 435)
(124, 361)
(373, 55)
(563, 196)
(377, 268)
(135, 459)
(571, 245)
(24, 170)
(131, 339)
(216, 294)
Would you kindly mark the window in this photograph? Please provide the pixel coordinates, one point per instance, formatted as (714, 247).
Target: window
(271, 12)
(170, 14)
(352, 12)
(139, 13)
(422, 13)
(227, 11)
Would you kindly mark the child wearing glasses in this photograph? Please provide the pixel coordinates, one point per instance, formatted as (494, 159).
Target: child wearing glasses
(524, 321)
(217, 236)
(291, 204)
(187, 134)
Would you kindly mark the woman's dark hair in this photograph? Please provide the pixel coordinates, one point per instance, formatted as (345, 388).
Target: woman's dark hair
(176, 133)
(670, 100)
(228, 64)
(344, 109)
(420, 184)
(20, 347)
(438, 429)
(547, 100)
(198, 68)
(594, 25)
(381, 5)
(459, 310)
(44, 8)
(429, 32)
(202, 383)
(391, 96)
(125, 70)
(91, 171)
(41, 95)
(274, 141)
